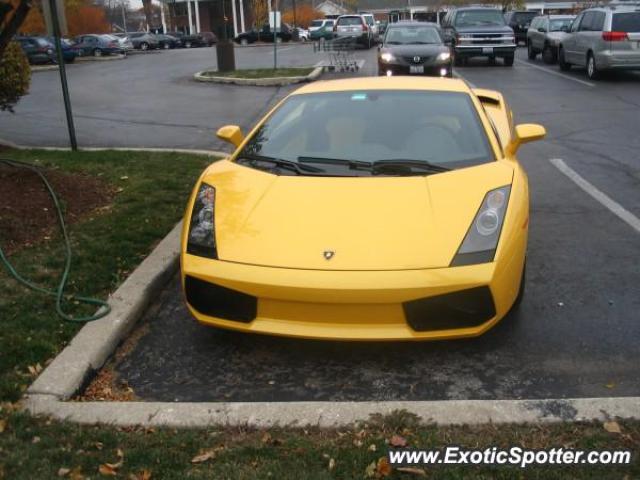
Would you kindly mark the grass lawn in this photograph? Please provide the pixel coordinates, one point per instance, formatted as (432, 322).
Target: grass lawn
(263, 73)
(149, 194)
(149, 191)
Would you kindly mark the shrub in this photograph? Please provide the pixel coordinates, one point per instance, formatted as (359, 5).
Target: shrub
(15, 76)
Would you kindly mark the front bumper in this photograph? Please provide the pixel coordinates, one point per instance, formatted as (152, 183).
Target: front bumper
(351, 305)
(498, 50)
(430, 70)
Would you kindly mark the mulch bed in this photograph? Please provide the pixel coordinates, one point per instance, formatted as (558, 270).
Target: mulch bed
(27, 212)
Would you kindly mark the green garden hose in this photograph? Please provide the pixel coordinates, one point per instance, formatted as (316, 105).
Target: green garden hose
(58, 293)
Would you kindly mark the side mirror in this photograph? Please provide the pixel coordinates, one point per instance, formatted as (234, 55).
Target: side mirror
(564, 28)
(525, 133)
(231, 134)
(542, 29)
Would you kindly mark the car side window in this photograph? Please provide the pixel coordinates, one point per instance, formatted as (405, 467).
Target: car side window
(576, 23)
(597, 25)
(587, 20)
(545, 25)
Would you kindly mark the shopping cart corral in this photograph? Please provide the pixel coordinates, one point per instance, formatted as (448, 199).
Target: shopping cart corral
(340, 53)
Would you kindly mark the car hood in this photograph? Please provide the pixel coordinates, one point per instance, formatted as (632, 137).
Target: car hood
(369, 223)
(411, 50)
(558, 36)
(487, 29)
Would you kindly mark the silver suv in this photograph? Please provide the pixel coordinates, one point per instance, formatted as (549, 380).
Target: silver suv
(606, 38)
(354, 26)
(545, 34)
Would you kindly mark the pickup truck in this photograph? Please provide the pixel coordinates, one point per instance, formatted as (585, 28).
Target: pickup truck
(479, 32)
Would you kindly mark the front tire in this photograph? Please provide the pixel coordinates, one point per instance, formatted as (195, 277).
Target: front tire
(187, 44)
(166, 46)
(531, 53)
(508, 61)
(97, 52)
(144, 46)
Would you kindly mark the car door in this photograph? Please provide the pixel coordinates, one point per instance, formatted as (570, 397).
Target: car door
(593, 38)
(533, 34)
(583, 38)
(569, 44)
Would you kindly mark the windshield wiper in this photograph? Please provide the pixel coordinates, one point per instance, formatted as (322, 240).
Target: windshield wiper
(252, 158)
(423, 165)
(352, 164)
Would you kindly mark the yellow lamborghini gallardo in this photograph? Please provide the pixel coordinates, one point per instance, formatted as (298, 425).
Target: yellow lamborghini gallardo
(387, 208)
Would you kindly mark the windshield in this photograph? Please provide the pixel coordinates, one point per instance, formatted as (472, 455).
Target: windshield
(316, 23)
(477, 18)
(441, 128)
(556, 25)
(412, 35)
(626, 22)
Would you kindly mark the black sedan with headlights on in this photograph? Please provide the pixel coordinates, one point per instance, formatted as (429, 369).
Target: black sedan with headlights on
(414, 48)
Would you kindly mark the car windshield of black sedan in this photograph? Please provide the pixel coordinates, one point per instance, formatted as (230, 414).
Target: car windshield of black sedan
(412, 36)
(479, 18)
(441, 128)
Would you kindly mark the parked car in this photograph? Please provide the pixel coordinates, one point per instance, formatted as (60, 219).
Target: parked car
(479, 32)
(545, 34)
(414, 48)
(363, 209)
(207, 39)
(354, 26)
(168, 41)
(69, 51)
(124, 41)
(321, 29)
(519, 22)
(303, 34)
(144, 40)
(264, 35)
(97, 45)
(382, 28)
(373, 26)
(37, 49)
(605, 38)
(202, 39)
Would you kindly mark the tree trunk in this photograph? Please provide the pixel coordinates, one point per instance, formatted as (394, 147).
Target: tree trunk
(148, 12)
(13, 24)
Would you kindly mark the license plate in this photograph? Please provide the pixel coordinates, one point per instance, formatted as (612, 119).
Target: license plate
(487, 49)
(416, 69)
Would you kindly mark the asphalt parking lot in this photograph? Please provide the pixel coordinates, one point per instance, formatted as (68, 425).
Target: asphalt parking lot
(576, 332)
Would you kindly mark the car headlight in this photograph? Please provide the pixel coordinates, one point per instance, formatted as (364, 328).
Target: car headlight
(481, 241)
(202, 239)
(387, 57)
(444, 56)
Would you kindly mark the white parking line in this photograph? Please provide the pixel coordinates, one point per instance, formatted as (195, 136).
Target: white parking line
(557, 74)
(612, 205)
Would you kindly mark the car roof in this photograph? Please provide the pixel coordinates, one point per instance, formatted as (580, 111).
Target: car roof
(413, 24)
(385, 83)
(479, 7)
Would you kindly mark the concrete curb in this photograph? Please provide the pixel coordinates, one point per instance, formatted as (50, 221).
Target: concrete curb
(331, 414)
(210, 153)
(96, 341)
(262, 82)
(105, 58)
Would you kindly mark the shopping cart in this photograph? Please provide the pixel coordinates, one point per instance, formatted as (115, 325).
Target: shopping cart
(340, 52)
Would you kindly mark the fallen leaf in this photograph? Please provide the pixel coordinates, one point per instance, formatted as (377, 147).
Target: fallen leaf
(266, 438)
(612, 426)
(35, 439)
(76, 474)
(98, 445)
(3, 425)
(398, 441)
(62, 471)
(332, 464)
(413, 470)
(124, 177)
(107, 469)
(610, 385)
(383, 468)
(357, 443)
(372, 447)
(370, 471)
(204, 456)
(143, 475)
